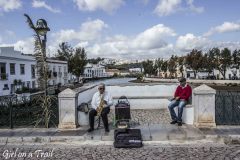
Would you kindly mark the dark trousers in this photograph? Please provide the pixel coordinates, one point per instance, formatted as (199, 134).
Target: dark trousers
(104, 114)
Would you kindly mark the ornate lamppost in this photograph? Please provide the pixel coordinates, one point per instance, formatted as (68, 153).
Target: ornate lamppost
(40, 30)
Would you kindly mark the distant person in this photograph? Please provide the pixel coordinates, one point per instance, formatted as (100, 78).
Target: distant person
(181, 97)
(100, 99)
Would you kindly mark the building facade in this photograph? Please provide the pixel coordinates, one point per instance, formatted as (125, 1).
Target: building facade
(58, 72)
(18, 70)
(94, 71)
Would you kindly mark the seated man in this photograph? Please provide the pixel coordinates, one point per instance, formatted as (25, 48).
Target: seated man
(100, 99)
(181, 96)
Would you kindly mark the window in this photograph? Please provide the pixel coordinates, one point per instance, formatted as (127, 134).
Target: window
(28, 84)
(12, 68)
(5, 87)
(33, 71)
(22, 68)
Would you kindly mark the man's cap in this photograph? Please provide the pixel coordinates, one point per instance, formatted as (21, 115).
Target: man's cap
(182, 79)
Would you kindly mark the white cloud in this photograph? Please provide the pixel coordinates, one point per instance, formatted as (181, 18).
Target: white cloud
(149, 43)
(225, 27)
(168, 7)
(193, 8)
(153, 37)
(26, 46)
(88, 31)
(42, 4)
(8, 5)
(93, 5)
(82, 44)
(189, 42)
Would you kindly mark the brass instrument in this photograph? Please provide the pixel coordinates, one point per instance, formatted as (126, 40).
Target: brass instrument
(100, 107)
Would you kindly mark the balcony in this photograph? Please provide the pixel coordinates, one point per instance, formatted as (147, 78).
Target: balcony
(3, 76)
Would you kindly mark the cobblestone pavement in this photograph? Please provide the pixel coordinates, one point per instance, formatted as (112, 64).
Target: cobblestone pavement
(150, 152)
(151, 116)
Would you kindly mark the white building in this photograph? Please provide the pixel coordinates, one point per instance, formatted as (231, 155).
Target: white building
(18, 70)
(94, 71)
(58, 72)
(107, 61)
(136, 70)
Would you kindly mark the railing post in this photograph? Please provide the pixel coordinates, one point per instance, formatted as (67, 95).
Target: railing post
(67, 109)
(11, 109)
(204, 106)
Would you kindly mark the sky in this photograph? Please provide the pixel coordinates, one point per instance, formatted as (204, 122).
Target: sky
(124, 29)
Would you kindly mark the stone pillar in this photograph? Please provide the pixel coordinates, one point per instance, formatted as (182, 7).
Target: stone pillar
(204, 106)
(67, 103)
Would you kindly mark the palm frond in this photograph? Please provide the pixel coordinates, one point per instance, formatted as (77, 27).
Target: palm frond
(29, 21)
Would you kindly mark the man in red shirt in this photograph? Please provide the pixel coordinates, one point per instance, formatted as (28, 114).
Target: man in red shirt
(181, 97)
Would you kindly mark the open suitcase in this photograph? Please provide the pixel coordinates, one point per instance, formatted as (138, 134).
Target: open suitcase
(127, 138)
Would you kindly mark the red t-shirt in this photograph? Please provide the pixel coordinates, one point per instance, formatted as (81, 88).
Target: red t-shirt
(183, 92)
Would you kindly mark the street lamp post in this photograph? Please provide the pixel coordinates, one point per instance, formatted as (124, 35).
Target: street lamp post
(41, 30)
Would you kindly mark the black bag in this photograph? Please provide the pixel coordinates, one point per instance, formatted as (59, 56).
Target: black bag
(127, 138)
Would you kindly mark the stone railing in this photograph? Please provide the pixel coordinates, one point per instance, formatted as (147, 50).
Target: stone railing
(201, 113)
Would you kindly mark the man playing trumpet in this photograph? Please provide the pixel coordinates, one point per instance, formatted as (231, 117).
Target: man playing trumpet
(101, 103)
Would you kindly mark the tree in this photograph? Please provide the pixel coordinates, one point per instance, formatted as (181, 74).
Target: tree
(224, 61)
(79, 61)
(194, 60)
(236, 58)
(148, 67)
(164, 67)
(181, 62)
(65, 53)
(209, 60)
(158, 64)
(172, 65)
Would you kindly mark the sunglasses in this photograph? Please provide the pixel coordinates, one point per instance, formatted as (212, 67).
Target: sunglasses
(101, 88)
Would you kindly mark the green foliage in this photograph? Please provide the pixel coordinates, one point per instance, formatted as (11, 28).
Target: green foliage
(79, 61)
(149, 67)
(65, 53)
(95, 61)
(172, 65)
(194, 60)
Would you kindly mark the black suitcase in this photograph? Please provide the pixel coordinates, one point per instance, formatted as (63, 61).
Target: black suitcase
(127, 138)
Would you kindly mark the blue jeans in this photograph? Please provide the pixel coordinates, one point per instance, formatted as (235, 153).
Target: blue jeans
(172, 105)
